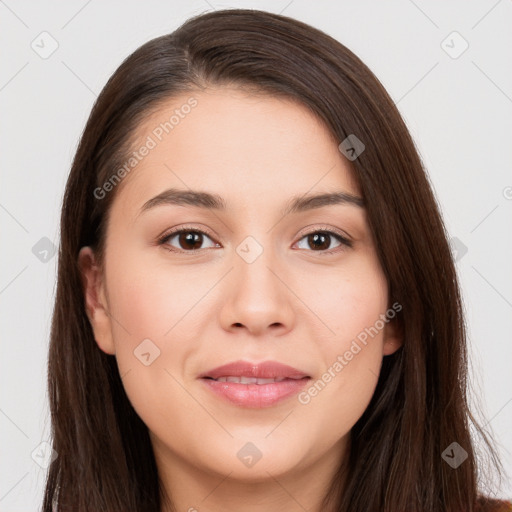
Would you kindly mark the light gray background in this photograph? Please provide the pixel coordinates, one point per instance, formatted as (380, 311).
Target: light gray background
(458, 110)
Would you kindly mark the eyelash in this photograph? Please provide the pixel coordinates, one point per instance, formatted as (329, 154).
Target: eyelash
(345, 242)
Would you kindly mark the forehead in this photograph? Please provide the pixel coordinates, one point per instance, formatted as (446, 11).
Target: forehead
(248, 148)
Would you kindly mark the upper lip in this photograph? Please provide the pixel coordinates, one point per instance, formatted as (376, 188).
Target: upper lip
(263, 370)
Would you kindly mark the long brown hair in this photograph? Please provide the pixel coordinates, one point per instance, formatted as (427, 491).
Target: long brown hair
(105, 459)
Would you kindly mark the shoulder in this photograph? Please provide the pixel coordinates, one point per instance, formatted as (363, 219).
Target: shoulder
(492, 505)
(504, 506)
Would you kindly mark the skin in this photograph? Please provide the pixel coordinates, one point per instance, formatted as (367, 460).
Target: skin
(204, 308)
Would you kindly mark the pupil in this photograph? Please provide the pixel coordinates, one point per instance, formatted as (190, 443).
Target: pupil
(319, 240)
(193, 238)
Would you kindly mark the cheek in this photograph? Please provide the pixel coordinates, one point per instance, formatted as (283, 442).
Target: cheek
(150, 299)
(346, 299)
(157, 315)
(152, 305)
(351, 306)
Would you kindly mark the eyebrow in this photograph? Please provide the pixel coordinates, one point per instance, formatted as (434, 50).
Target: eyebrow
(209, 201)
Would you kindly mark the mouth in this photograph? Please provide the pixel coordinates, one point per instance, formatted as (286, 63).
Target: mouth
(262, 371)
(254, 385)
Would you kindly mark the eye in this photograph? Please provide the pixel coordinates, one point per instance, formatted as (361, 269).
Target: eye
(187, 240)
(321, 241)
(192, 239)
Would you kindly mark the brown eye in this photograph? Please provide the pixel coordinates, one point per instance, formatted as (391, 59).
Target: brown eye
(319, 241)
(322, 241)
(190, 240)
(187, 240)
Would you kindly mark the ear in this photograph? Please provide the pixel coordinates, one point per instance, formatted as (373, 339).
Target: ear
(95, 300)
(393, 337)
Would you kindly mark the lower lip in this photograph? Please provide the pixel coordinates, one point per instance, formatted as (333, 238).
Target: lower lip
(256, 395)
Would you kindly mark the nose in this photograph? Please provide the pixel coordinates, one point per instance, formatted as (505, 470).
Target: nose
(257, 298)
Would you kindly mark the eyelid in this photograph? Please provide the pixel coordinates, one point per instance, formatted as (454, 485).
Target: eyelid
(315, 228)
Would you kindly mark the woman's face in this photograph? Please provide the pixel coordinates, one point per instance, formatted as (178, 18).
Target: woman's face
(264, 283)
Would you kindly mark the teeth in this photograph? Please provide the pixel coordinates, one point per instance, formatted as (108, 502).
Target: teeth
(249, 380)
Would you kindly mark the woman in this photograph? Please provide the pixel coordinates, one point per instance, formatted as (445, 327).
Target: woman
(257, 308)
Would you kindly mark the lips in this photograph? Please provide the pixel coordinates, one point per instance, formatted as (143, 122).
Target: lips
(252, 385)
(244, 372)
